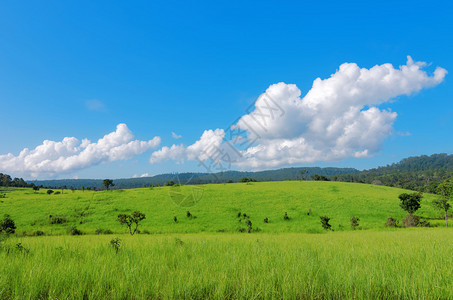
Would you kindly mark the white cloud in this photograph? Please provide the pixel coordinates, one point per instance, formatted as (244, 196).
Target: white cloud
(70, 154)
(144, 175)
(176, 136)
(338, 118)
(179, 153)
(95, 105)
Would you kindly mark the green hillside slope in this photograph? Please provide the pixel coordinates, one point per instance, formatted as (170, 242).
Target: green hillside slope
(215, 209)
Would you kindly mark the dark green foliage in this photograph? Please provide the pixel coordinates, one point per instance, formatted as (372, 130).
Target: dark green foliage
(247, 179)
(169, 183)
(175, 219)
(49, 192)
(317, 177)
(38, 233)
(188, 214)
(239, 214)
(241, 229)
(57, 219)
(325, 222)
(354, 222)
(7, 225)
(230, 181)
(309, 212)
(410, 202)
(422, 173)
(266, 220)
(107, 183)
(5, 180)
(179, 242)
(391, 222)
(74, 231)
(131, 221)
(35, 188)
(116, 244)
(445, 191)
(57, 193)
(286, 217)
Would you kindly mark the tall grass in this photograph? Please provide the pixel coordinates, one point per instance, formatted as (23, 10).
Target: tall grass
(414, 264)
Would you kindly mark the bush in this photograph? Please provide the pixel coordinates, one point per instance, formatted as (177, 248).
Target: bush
(391, 222)
(175, 219)
(286, 217)
(241, 229)
(49, 192)
(411, 221)
(354, 222)
(57, 193)
(7, 225)
(75, 231)
(325, 222)
(116, 244)
(266, 220)
(188, 214)
(38, 233)
(57, 219)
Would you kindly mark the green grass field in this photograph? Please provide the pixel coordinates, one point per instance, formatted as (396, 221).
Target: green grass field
(216, 209)
(206, 256)
(405, 264)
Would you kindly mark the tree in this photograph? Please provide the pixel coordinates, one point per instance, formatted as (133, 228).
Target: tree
(130, 220)
(302, 174)
(35, 188)
(410, 202)
(445, 191)
(169, 183)
(107, 183)
(7, 225)
(49, 192)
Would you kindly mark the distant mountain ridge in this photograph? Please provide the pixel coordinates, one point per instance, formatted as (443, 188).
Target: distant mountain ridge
(421, 173)
(200, 178)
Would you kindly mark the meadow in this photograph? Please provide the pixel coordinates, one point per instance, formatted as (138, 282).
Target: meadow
(215, 207)
(205, 255)
(403, 264)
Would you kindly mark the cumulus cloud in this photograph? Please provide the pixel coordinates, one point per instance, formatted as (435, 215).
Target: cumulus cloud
(198, 150)
(176, 136)
(338, 118)
(144, 175)
(70, 154)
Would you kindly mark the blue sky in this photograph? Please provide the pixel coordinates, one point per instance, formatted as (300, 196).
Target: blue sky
(79, 69)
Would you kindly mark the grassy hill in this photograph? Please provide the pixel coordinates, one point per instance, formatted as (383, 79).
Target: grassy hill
(215, 207)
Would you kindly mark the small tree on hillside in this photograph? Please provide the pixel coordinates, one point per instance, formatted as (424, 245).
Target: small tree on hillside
(410, 202)
(131, 221)
(445, 191)
(354, 222)
(35, 188)
(107, 183)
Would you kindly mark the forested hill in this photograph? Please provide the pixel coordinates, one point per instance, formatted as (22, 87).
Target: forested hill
(201, 178)
(420, 173)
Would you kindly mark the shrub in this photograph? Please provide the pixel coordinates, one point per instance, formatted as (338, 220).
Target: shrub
(411, 221)
(103, 231)
(116, 244)
(241, 229)
(57, 193)
(239, 214)
(38, 233)
(169, 183)
(266, 220)
(391, 222)
(175, 219)
(354, 222)
(75, 231)
(7, 225)
(49, 192)
(57, 219)
(325, 222)
(424, 223)
(286, 217)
